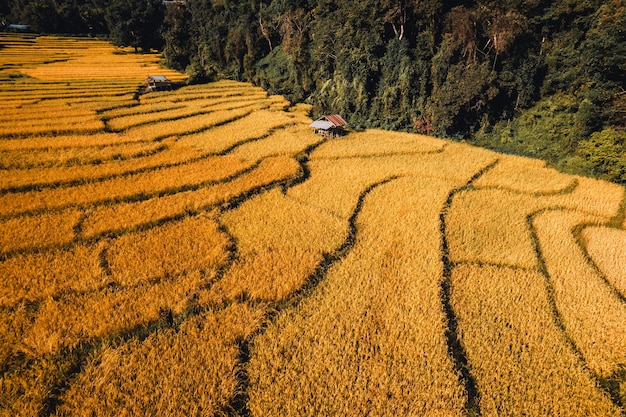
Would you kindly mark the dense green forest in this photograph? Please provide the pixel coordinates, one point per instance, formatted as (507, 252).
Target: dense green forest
(543, 78)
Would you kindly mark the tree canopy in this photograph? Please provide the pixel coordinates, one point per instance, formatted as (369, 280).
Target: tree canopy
(533, 77)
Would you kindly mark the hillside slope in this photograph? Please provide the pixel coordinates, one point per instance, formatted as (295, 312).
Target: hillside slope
(201, 252)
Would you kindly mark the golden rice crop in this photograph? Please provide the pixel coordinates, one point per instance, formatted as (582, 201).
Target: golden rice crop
(252, 126)
(84, 124)
(161, 267)
(289, 140)
(335, 185)
(78, 319)
(378, 142)
(39, 231)
(520, 358)
(592, 196)
(144, 184)
(192, 244)
(606, 246)
(44, 143)
(203, 252)
(171, 155)
(490, 226)
(525, 175)
(37, 158)
(194, 108)
(592, 315)
(33, 277)
(136, 109)
(279, 244)
(118, 217)
(353, 346)
(190, 371)
(190, 125)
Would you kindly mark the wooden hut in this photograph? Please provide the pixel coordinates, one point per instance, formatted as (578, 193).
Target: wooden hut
(329, 126)
(158, 83)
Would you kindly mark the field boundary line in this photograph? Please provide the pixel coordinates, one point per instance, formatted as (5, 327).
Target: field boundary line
(238, 406)
(456, 351)
(577, 232)
(556, 314)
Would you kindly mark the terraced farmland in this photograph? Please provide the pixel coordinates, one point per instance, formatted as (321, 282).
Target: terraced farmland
(201, 252)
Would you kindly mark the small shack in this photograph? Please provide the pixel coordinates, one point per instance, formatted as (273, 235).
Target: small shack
(158, 83)
(329, 126)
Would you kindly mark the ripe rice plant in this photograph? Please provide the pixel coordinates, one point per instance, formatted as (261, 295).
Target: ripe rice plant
(525, 175)
(378, 143)
(490, 226)
(123, 216)
(190, 125)
(593, 316)
(606, 248)
(38, 177)
(288, 140)
(251, 126)
(176, 248)
(279, 244)
(40, 231)
(68, 156)
(30, 278)
(369, 324)
(161, 181)
(76, 320)
(522, 361)
(335, 185)
(200, 251)
(150, 376)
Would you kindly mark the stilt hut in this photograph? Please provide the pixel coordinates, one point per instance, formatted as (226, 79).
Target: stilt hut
(329, 126)
(158, 83)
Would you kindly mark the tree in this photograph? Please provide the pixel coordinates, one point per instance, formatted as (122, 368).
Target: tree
(136, 23)
(177, 37)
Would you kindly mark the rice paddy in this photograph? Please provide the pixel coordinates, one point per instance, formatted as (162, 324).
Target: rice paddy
(201, 251)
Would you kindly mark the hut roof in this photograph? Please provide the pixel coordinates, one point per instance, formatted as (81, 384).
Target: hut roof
(157, 78)
(328, 121)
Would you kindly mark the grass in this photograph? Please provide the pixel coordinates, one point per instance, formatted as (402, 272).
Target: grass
(201, 252)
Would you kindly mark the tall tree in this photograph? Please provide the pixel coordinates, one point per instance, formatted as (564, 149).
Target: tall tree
(136, 23)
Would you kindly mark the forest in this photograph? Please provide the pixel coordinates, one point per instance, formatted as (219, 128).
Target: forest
(540, 78)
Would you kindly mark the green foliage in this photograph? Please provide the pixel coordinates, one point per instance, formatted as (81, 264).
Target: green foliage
(60, 16)
(548, 130)
(533, 77)
(606, 152)
(177, 37)
(136, 23)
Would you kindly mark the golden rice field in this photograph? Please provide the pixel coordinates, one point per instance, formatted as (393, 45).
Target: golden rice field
(200, 252)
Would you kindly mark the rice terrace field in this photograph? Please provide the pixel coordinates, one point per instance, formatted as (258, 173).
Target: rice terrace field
(201, 252)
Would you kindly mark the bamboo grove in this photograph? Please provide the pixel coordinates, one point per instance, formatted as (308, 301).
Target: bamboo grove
(201, 252)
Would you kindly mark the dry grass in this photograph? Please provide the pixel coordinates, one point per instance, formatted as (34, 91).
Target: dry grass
(607, 248)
